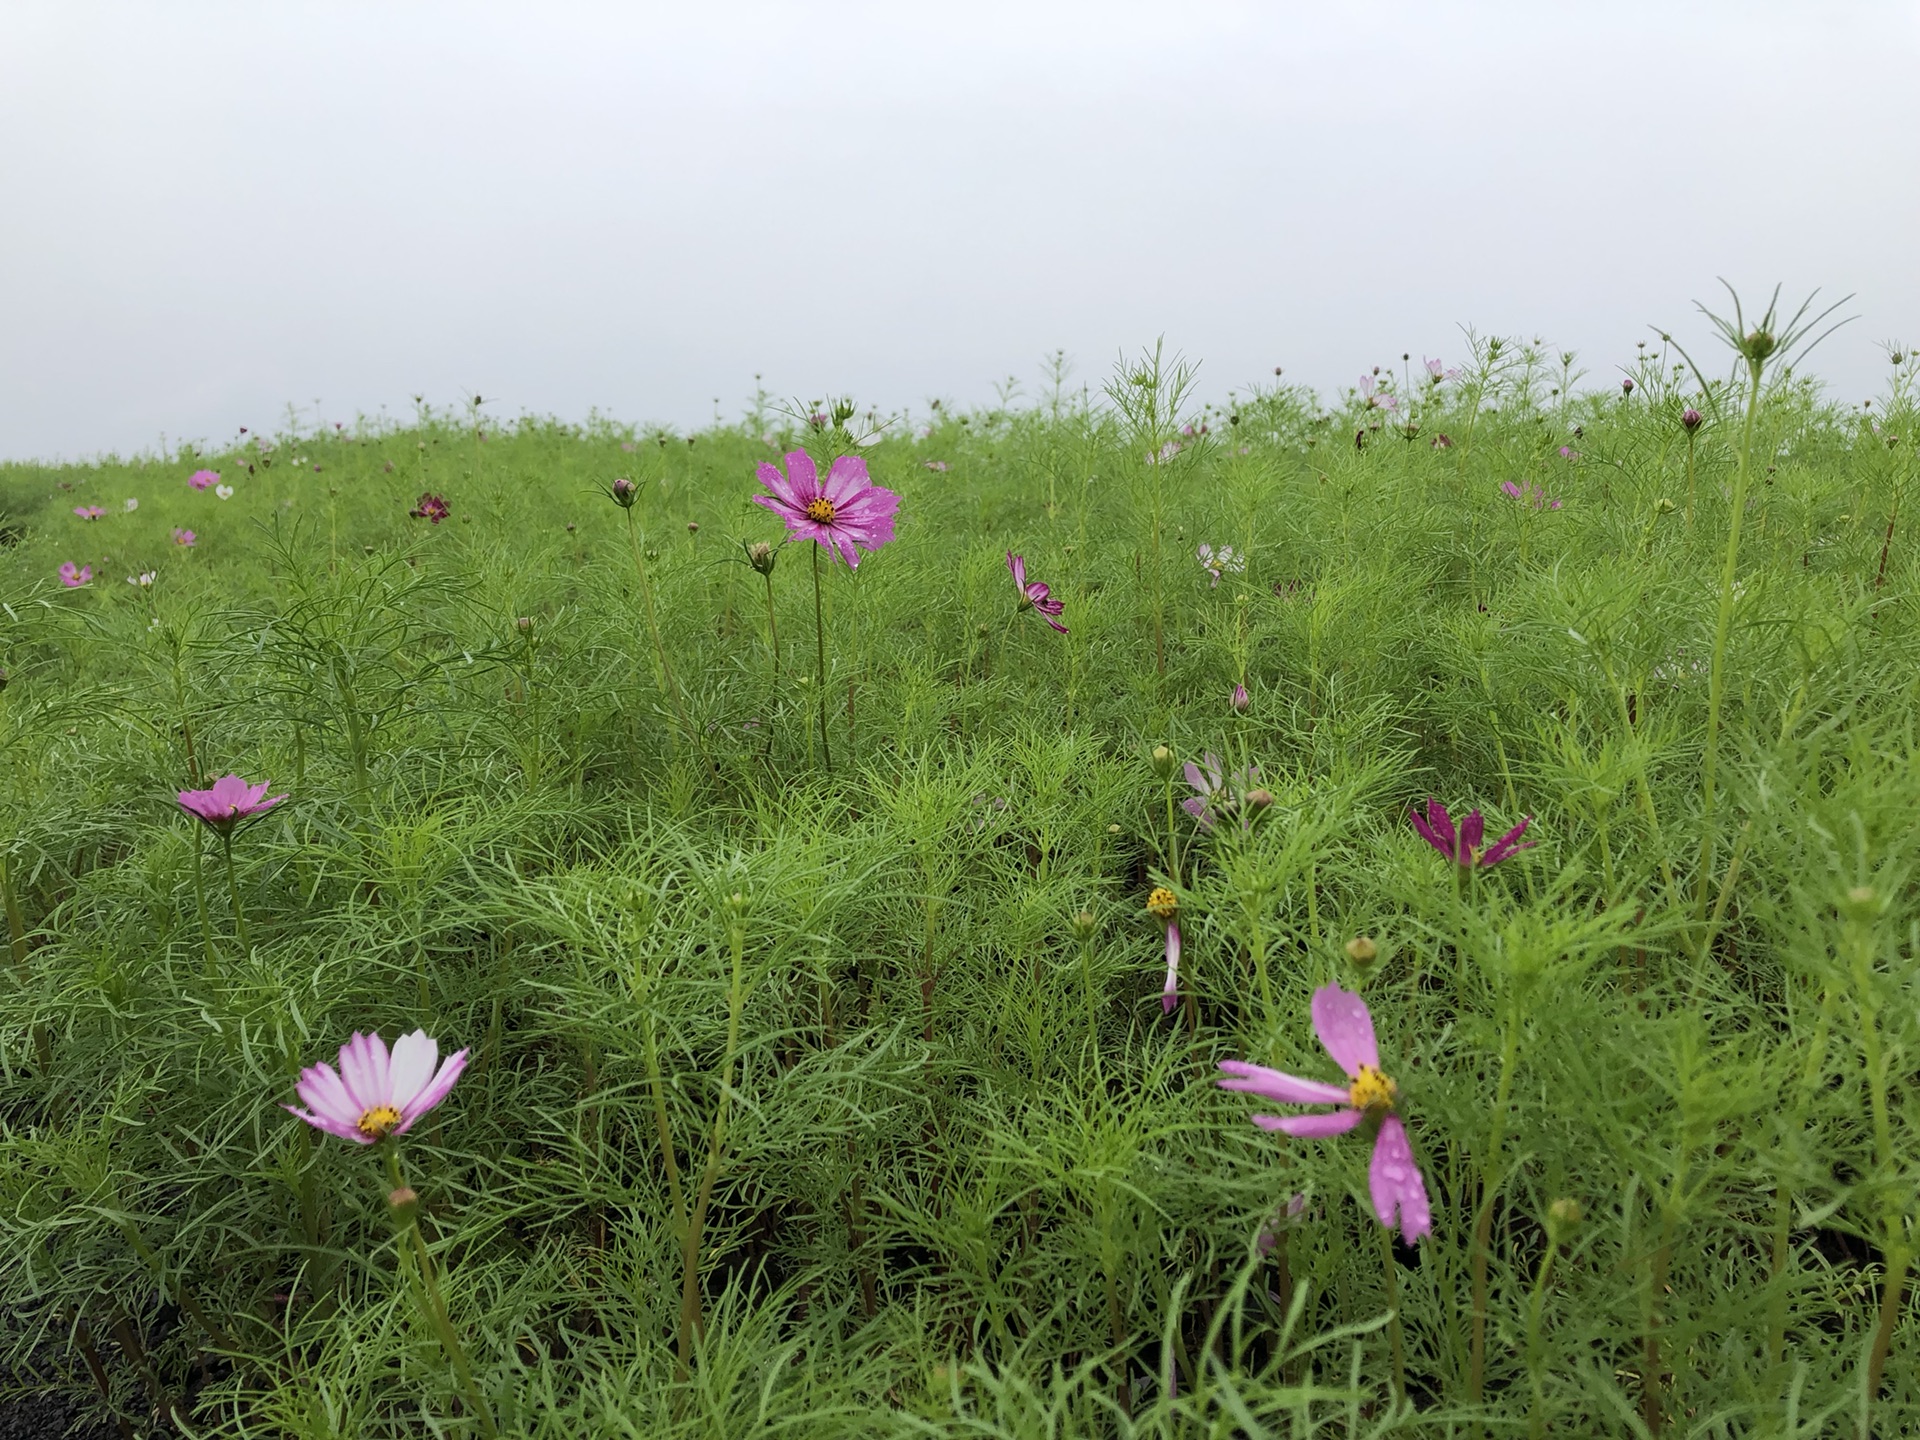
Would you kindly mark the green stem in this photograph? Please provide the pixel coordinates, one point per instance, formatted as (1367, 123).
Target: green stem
(820, 655)
(406, 1216)
(690, 1301)
(1390, 1271)
(773, 632)
(1483, 1222)
(668, 683)
(233, 894)
(200, 898)
(1537, 1415)
(1723, 625)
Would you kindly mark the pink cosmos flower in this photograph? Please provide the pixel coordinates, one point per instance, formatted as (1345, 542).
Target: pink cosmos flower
(185, 537)
(1373, 397)
(1219, 562)
(1034, 594)
(1437, 372)
(1463, 847)
(1529, 494)
(201, 479)
(1567, 452)
(88, 512)
(375, 1094)
(849, 510)
(1164, 906)
(74, 576)
(430, 507)
(229, 801)
(1345, 1028)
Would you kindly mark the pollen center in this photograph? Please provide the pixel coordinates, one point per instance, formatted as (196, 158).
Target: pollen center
(1163, 902)
(378, 1122)
(1371, 1090)
(820, 510)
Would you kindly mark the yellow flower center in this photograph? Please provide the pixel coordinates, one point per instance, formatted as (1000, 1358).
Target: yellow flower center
(1163, 903)
(378, 1122)
(820, 510)
(1371, 1090)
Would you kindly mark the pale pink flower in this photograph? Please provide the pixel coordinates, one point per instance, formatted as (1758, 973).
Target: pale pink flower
(88, 512)
(185, 537)
(201, 479)
(375, 1094)
(74, 576)
(1345, 1028)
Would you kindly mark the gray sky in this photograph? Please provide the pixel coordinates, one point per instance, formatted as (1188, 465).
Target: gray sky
(210, 211)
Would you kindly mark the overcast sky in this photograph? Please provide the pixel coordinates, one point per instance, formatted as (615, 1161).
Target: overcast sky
(208, 212)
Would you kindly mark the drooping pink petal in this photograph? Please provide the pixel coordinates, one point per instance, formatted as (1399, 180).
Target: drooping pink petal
(1172, 990)
(1054, 623)
(1278, 1085)
(436, 1091)
(410, 1066)
(1508, 843)
(1312, 1127)
(1399, 1193)
(1341, 1020)
(1018, 565)
(843, 542)
(1199, 810)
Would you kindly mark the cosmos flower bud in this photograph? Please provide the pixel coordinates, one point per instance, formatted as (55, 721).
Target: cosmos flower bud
(1240, 700)
(404, 1198)
(1162, 761)
(1663, 506)
(1362, 951)
(1691, 419)
(1626, 386)
(524, 625)
(1562, 1215)
(1758, 345)
(1259, 799)
(1083, 926)
(737, 903)
(625, 492)
(760, 555)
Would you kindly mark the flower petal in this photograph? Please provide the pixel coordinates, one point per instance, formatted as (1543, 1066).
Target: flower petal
(1312, 1127)
(1278, 1085)
(326, 1095)
(363, 1066)
(1172, 988)
(803, 479)
(1341, 1021)
(411, 1066)
(846, 478)
(436, 1091)
(327, 1123)
(1473, 830)
(1508, 843)
(1399, 1193)
(1018, 565)
(781, 496)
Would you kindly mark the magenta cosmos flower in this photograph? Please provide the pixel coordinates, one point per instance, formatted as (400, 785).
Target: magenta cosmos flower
(1164, 906)
(1345, 1028)
(430, 507)
(74, 576)
(1034, 594)
(848, 511)
(229, 801)
(1528, 494)
(375, 1094)
(1463, 846)
(201, 479)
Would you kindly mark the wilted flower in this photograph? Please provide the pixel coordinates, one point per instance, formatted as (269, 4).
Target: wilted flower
(185, 537)
(228, 802)
(1219, 562)
(88, 512)
(74, 576)
(1345, 1028)
(1442, 441)
(1529, 494)
(1164, 906)
(848, 511)
(1215, 791)
(1463, 846)
(430, 507)
(1034, 594)
(760, 555)
(201, 479)
(1372, 396)
(373, 1094)
(225, 492)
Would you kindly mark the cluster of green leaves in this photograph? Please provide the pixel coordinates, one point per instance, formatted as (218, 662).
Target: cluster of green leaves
(966, 1178)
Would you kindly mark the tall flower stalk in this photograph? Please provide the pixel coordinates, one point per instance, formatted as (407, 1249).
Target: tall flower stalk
(624, 493)
(1768, 343)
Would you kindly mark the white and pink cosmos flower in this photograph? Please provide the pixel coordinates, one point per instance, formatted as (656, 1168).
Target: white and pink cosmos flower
(375, 1094)
(229, 801)
(1345, 1028)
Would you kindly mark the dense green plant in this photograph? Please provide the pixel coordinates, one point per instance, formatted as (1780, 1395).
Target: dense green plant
(840, 1102)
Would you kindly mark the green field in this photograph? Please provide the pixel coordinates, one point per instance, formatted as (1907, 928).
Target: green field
(820, 1081)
